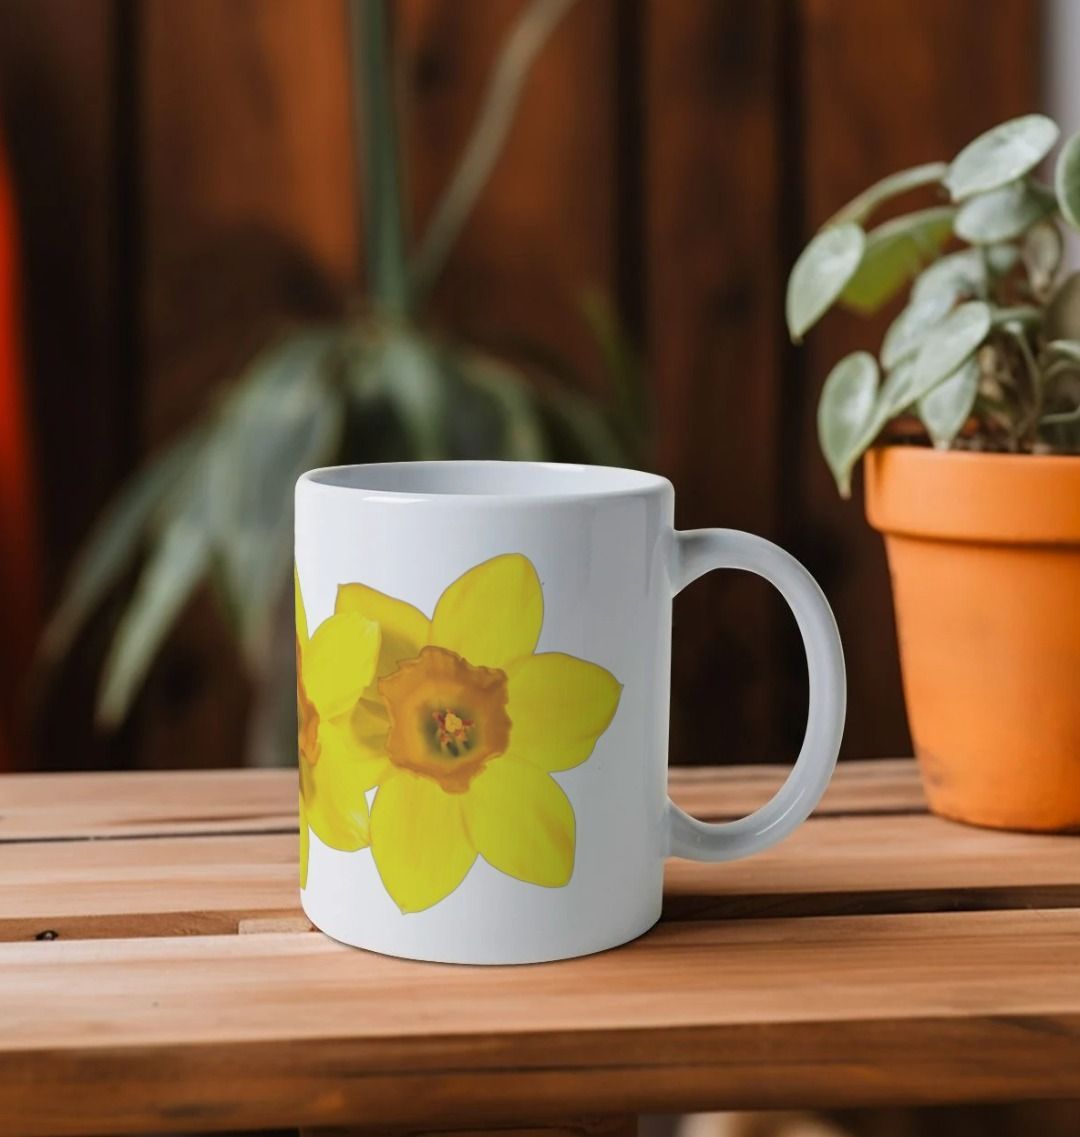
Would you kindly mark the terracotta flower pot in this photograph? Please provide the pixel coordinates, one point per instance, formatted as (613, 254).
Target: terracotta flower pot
(984, 553)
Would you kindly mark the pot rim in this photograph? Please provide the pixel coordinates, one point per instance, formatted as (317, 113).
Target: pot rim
(957, 495)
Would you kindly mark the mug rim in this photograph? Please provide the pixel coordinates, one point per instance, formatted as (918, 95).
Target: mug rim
(418, 481)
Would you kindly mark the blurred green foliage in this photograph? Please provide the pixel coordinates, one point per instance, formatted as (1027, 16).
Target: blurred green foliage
(217, 504)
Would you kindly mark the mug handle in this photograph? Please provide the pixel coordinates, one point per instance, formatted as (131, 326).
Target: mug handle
(697, 552)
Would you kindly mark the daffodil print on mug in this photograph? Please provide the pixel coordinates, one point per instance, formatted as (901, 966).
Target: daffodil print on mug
(333, 668)
(456, 723)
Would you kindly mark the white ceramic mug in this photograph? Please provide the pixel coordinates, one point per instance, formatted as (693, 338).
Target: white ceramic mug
(483, 656)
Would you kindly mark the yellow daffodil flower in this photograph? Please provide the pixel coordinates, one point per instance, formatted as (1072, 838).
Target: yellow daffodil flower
(334, 667)
(458, 723)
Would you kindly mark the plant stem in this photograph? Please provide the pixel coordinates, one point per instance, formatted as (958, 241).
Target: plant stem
(1026, 426)
(485, 143)
(376, 149)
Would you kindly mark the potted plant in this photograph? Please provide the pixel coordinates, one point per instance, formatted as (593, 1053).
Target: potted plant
(969, 419)
(380, 384)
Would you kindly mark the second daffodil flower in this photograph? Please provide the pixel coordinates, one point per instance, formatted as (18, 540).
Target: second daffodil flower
(333, 669)
(458, 724)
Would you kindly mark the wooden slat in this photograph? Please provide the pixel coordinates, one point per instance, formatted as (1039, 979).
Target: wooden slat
(881, 787)
(866, 865)
(125, 1036)
(249, 203)
(249, 224)
(57, 96)
(832, 866)
(147, 803)
(712, 178)
(39, 807)
(578, 1127)
(65, 113)
(132, 888)
(541, 231)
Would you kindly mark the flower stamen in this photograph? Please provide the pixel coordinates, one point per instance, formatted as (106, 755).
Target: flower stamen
(447, 717)
(452, 731)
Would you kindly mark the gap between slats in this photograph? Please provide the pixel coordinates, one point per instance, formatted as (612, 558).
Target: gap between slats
(154, 805)
(832, 866)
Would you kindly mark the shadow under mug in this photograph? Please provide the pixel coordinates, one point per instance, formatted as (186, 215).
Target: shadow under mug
(483, 683)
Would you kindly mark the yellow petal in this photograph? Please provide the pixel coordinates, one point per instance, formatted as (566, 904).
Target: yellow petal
(333, 789)
(492, 614)
(404, 628)
(370, 726)
(339, 662)
(305, 842)
(362, 755)
(301, 615)
(418, 840)
(521, 822)
(559, 706)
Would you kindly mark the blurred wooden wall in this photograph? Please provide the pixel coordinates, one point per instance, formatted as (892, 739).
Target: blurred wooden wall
(185, 176)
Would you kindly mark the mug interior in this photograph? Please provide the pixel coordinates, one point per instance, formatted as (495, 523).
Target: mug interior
(487, 479)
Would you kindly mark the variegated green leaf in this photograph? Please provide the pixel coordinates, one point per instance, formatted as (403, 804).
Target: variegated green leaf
(897, 393)
(952, 342)
(1042, 251)
(1067, 181)
(945, 408)
(1001, 155)
(845, 413)
(1000, 258)
(1003, 214)
(907, 332)
(957, 276)
(820, 274)
(1063, 311)
(894, 253)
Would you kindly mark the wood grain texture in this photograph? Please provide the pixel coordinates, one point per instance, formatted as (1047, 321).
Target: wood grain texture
(169, 803)
(221, 884)
(603, 1127)
(57, 90)
(132, 888)
(883, 786)
(248, 224)
(223, 854)
(850, 1010)
(147, 803)
(60, 105)
(876, 976)
(544, 226)
(713, 122)
(247, 181)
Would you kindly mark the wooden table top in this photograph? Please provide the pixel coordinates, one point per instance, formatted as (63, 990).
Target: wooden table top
(156, 973)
